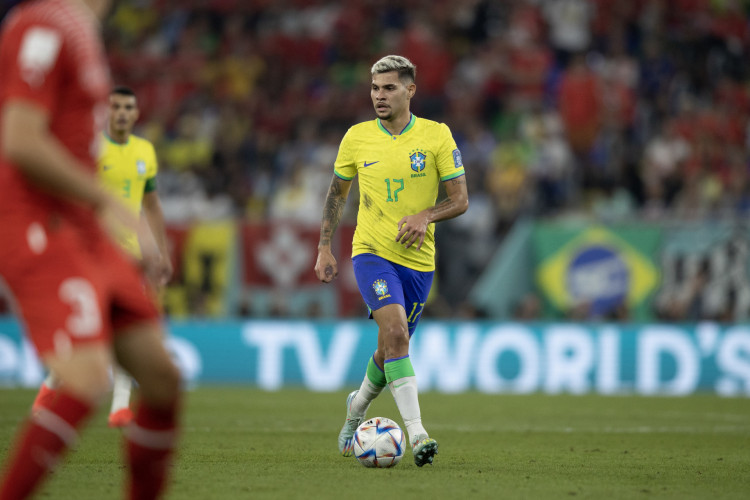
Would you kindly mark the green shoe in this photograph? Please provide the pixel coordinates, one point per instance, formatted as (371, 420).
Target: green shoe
(424, 449)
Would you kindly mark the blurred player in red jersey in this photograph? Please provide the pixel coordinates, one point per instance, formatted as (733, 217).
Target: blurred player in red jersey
(80, 297)
(128, 167)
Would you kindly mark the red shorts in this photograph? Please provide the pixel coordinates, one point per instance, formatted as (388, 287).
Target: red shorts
(71, 286)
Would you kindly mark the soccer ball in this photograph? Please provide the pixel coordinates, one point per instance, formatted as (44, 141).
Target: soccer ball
(379, 442)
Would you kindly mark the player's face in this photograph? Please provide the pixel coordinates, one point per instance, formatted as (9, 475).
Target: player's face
(123, 112)
(390, 96)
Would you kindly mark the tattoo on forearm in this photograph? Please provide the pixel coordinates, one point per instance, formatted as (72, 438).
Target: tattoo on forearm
(448, 208)
(332, 213)
(442, 209)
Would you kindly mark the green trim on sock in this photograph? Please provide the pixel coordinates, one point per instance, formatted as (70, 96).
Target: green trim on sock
(398, 368)
(375, 374)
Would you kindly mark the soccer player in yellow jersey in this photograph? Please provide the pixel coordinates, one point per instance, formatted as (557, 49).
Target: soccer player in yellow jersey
(127, 166)
(401, 160)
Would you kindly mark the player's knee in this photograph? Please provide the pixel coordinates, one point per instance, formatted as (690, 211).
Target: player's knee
(169, 378)
(396, 340)
(395, 333)
(162, 382)
(173, 379)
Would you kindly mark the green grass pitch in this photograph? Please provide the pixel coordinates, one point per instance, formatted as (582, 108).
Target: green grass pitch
(245, 443)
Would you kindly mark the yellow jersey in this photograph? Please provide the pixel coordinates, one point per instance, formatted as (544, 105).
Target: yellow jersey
(128, 171)
(399, 175)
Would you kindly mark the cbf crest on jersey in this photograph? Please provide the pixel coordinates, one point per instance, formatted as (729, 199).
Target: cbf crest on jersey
(418, 160)
(140, 165)
(381, 289)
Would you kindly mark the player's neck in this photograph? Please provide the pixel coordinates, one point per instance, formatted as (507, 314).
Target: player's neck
(118, 137)
(396, 124)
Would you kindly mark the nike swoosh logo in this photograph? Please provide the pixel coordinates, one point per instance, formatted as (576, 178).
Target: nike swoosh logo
(399, 385)
(371, 163)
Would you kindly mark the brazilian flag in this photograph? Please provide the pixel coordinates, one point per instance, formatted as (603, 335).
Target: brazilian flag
(598, 269)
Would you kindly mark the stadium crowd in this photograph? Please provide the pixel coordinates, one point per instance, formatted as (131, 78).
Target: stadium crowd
(605, 106)
(607, 109)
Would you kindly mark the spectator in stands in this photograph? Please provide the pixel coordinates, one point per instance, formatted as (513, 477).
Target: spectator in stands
(580, 105)
(663, 159)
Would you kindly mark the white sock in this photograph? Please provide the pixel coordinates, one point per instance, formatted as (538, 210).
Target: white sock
(367, 393)
(121, 390)
(51, 381)
(405, 393)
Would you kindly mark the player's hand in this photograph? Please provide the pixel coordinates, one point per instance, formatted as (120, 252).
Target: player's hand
(151, 258)
(165, 270)
(150, 267)
(412, 229)
(158, 270)
(326, 267)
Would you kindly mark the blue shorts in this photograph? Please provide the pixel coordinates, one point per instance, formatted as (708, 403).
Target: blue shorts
(382, 282)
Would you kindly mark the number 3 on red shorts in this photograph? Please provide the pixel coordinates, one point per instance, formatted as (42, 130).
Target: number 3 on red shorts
(85, 319)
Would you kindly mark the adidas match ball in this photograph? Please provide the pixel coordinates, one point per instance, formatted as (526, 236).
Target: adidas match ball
(379, 442)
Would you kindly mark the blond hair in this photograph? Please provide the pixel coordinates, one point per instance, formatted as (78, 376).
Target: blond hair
(405, 68)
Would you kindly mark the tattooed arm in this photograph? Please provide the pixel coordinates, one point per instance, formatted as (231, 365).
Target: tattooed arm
(412, 228)
(326, 267)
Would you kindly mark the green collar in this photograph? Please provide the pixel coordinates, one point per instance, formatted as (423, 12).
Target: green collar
(106, 136)
(408, 127)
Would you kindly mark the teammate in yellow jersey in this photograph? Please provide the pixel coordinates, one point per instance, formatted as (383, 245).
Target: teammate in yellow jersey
(127, 167)
(401, 160)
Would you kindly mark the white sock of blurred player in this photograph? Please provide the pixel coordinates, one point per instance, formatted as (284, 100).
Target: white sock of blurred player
(122, 385)
(120, 414)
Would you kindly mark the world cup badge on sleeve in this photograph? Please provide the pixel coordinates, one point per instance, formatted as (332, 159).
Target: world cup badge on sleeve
(458, 162)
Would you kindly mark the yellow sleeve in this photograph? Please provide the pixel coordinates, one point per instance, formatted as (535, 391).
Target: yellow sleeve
(449, 162)
(345, 166)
